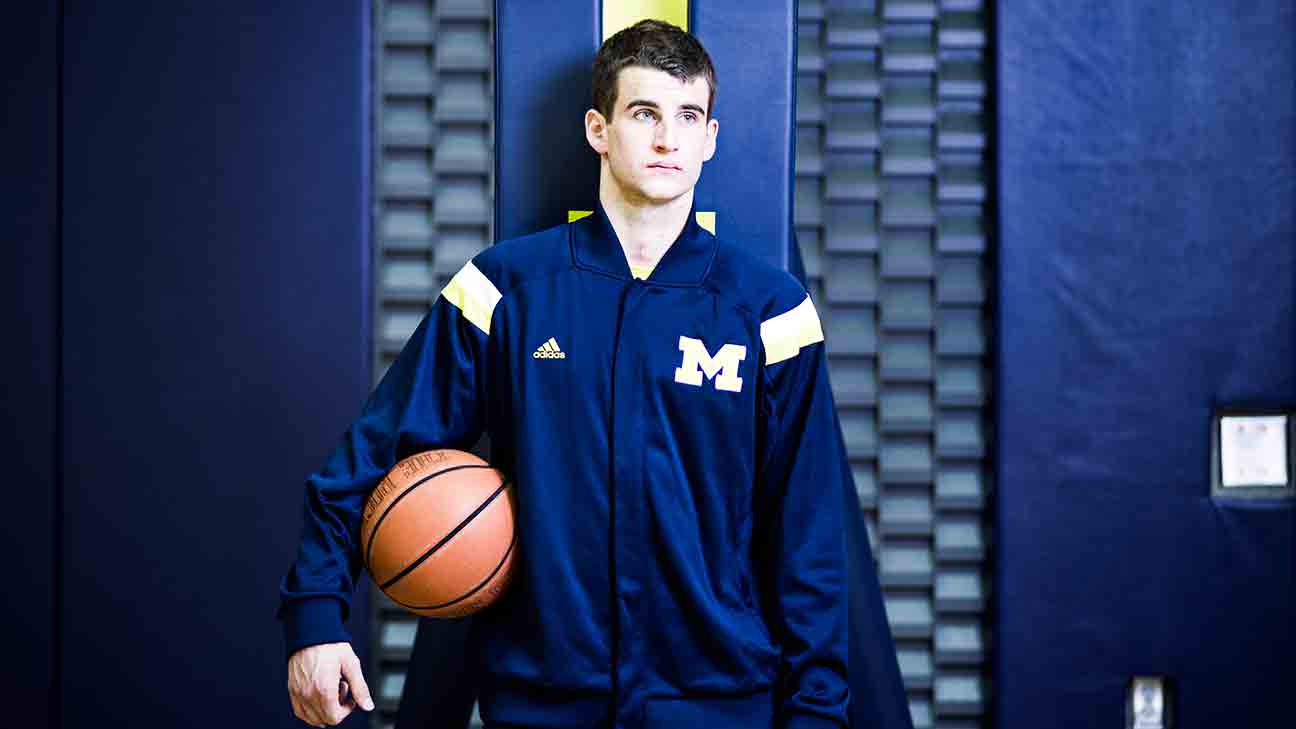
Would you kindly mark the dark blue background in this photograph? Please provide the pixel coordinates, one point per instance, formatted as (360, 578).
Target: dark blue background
(28, 278)
(1147, 170)
(188, 320)
(207, 305)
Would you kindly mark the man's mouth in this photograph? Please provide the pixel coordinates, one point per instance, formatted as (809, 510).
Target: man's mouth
(663, 166)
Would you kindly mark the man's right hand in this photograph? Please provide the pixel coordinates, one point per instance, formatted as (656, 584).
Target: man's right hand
(325, 684)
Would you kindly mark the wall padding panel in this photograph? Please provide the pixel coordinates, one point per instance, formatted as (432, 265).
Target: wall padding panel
(214, 332)
(29, 262)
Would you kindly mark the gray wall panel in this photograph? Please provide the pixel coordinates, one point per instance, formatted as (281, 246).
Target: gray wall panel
(433, 162)
(891, 189)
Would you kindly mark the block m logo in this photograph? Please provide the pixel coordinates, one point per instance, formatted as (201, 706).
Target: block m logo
(722, 368)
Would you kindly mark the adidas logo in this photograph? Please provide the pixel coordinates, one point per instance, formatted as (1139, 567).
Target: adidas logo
(549, 350)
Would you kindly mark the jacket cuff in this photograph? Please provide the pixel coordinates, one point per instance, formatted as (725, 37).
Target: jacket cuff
(312, 621)
(810, 721)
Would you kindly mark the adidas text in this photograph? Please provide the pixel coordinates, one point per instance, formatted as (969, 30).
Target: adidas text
(549, 350)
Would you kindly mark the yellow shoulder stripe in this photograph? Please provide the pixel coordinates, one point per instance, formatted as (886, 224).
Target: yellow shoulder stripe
(474, 295)
(785, 334)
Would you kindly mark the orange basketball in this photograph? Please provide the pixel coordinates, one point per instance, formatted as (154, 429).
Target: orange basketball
(438, 534)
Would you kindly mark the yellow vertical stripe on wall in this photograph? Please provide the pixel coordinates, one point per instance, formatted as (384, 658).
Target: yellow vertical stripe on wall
(619, 14)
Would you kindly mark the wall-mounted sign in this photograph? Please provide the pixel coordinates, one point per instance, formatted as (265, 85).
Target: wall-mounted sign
(1148, 706)
(1252, 454)
(1253, 451)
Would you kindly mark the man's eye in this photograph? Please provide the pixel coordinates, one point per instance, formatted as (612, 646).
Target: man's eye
(689, 118)
(643, 114)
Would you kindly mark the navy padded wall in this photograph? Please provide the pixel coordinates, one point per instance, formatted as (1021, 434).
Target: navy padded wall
(28, 261)
(751, 172)
(1148, 275)
(543, 165)
(216, 287)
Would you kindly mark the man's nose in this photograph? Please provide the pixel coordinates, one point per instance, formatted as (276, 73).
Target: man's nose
(666, 137)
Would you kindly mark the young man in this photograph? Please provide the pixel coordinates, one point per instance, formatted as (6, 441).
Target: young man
(678, 470)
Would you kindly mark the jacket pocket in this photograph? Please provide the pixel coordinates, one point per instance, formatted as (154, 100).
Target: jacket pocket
(752, 711)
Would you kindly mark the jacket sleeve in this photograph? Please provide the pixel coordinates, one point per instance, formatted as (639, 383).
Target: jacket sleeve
(800, 538)
(432, 396)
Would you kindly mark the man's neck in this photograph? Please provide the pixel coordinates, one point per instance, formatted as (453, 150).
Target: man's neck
(646, 230)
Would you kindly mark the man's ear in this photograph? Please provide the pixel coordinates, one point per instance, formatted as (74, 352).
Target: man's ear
(713, 129)
(596, 131)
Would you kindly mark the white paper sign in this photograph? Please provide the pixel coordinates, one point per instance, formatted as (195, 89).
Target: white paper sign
(1149, 704)
(1253, 450)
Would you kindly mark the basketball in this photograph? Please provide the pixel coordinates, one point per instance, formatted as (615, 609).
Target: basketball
(438, 534)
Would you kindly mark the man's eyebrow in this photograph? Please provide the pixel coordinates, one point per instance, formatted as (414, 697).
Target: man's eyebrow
(654, 105)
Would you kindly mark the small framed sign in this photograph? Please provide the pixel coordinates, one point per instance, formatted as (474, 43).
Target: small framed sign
(1149, 704)
(1252, 454)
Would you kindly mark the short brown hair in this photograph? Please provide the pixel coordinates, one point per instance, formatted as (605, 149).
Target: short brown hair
(651, 44)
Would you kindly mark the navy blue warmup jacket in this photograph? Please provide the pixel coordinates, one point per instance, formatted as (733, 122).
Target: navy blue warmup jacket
(679, 479)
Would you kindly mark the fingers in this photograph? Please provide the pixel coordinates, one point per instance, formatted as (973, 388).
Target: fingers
(312, 708)
(306, 711)
(354, 677)
(298, 711)
(323, 711)
(319, 694)
(328, 704)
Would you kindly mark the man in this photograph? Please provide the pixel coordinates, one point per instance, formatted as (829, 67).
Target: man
(681, 558)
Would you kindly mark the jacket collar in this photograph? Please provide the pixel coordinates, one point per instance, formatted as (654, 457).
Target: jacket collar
(595, 245)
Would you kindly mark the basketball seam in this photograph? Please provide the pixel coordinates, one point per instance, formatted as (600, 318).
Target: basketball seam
(471, 592)
(368, 552)
(462, 525)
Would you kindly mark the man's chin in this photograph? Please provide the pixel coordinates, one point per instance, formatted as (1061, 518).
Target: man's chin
(662, 195)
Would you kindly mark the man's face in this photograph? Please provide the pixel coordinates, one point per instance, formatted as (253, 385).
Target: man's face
(658, 135)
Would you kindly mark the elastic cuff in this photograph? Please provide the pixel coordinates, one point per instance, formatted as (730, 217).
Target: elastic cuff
(811, 721)
(312, 621)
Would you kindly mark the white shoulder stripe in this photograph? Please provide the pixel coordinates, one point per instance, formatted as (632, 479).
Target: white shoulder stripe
(474, 295)
(785, 334)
